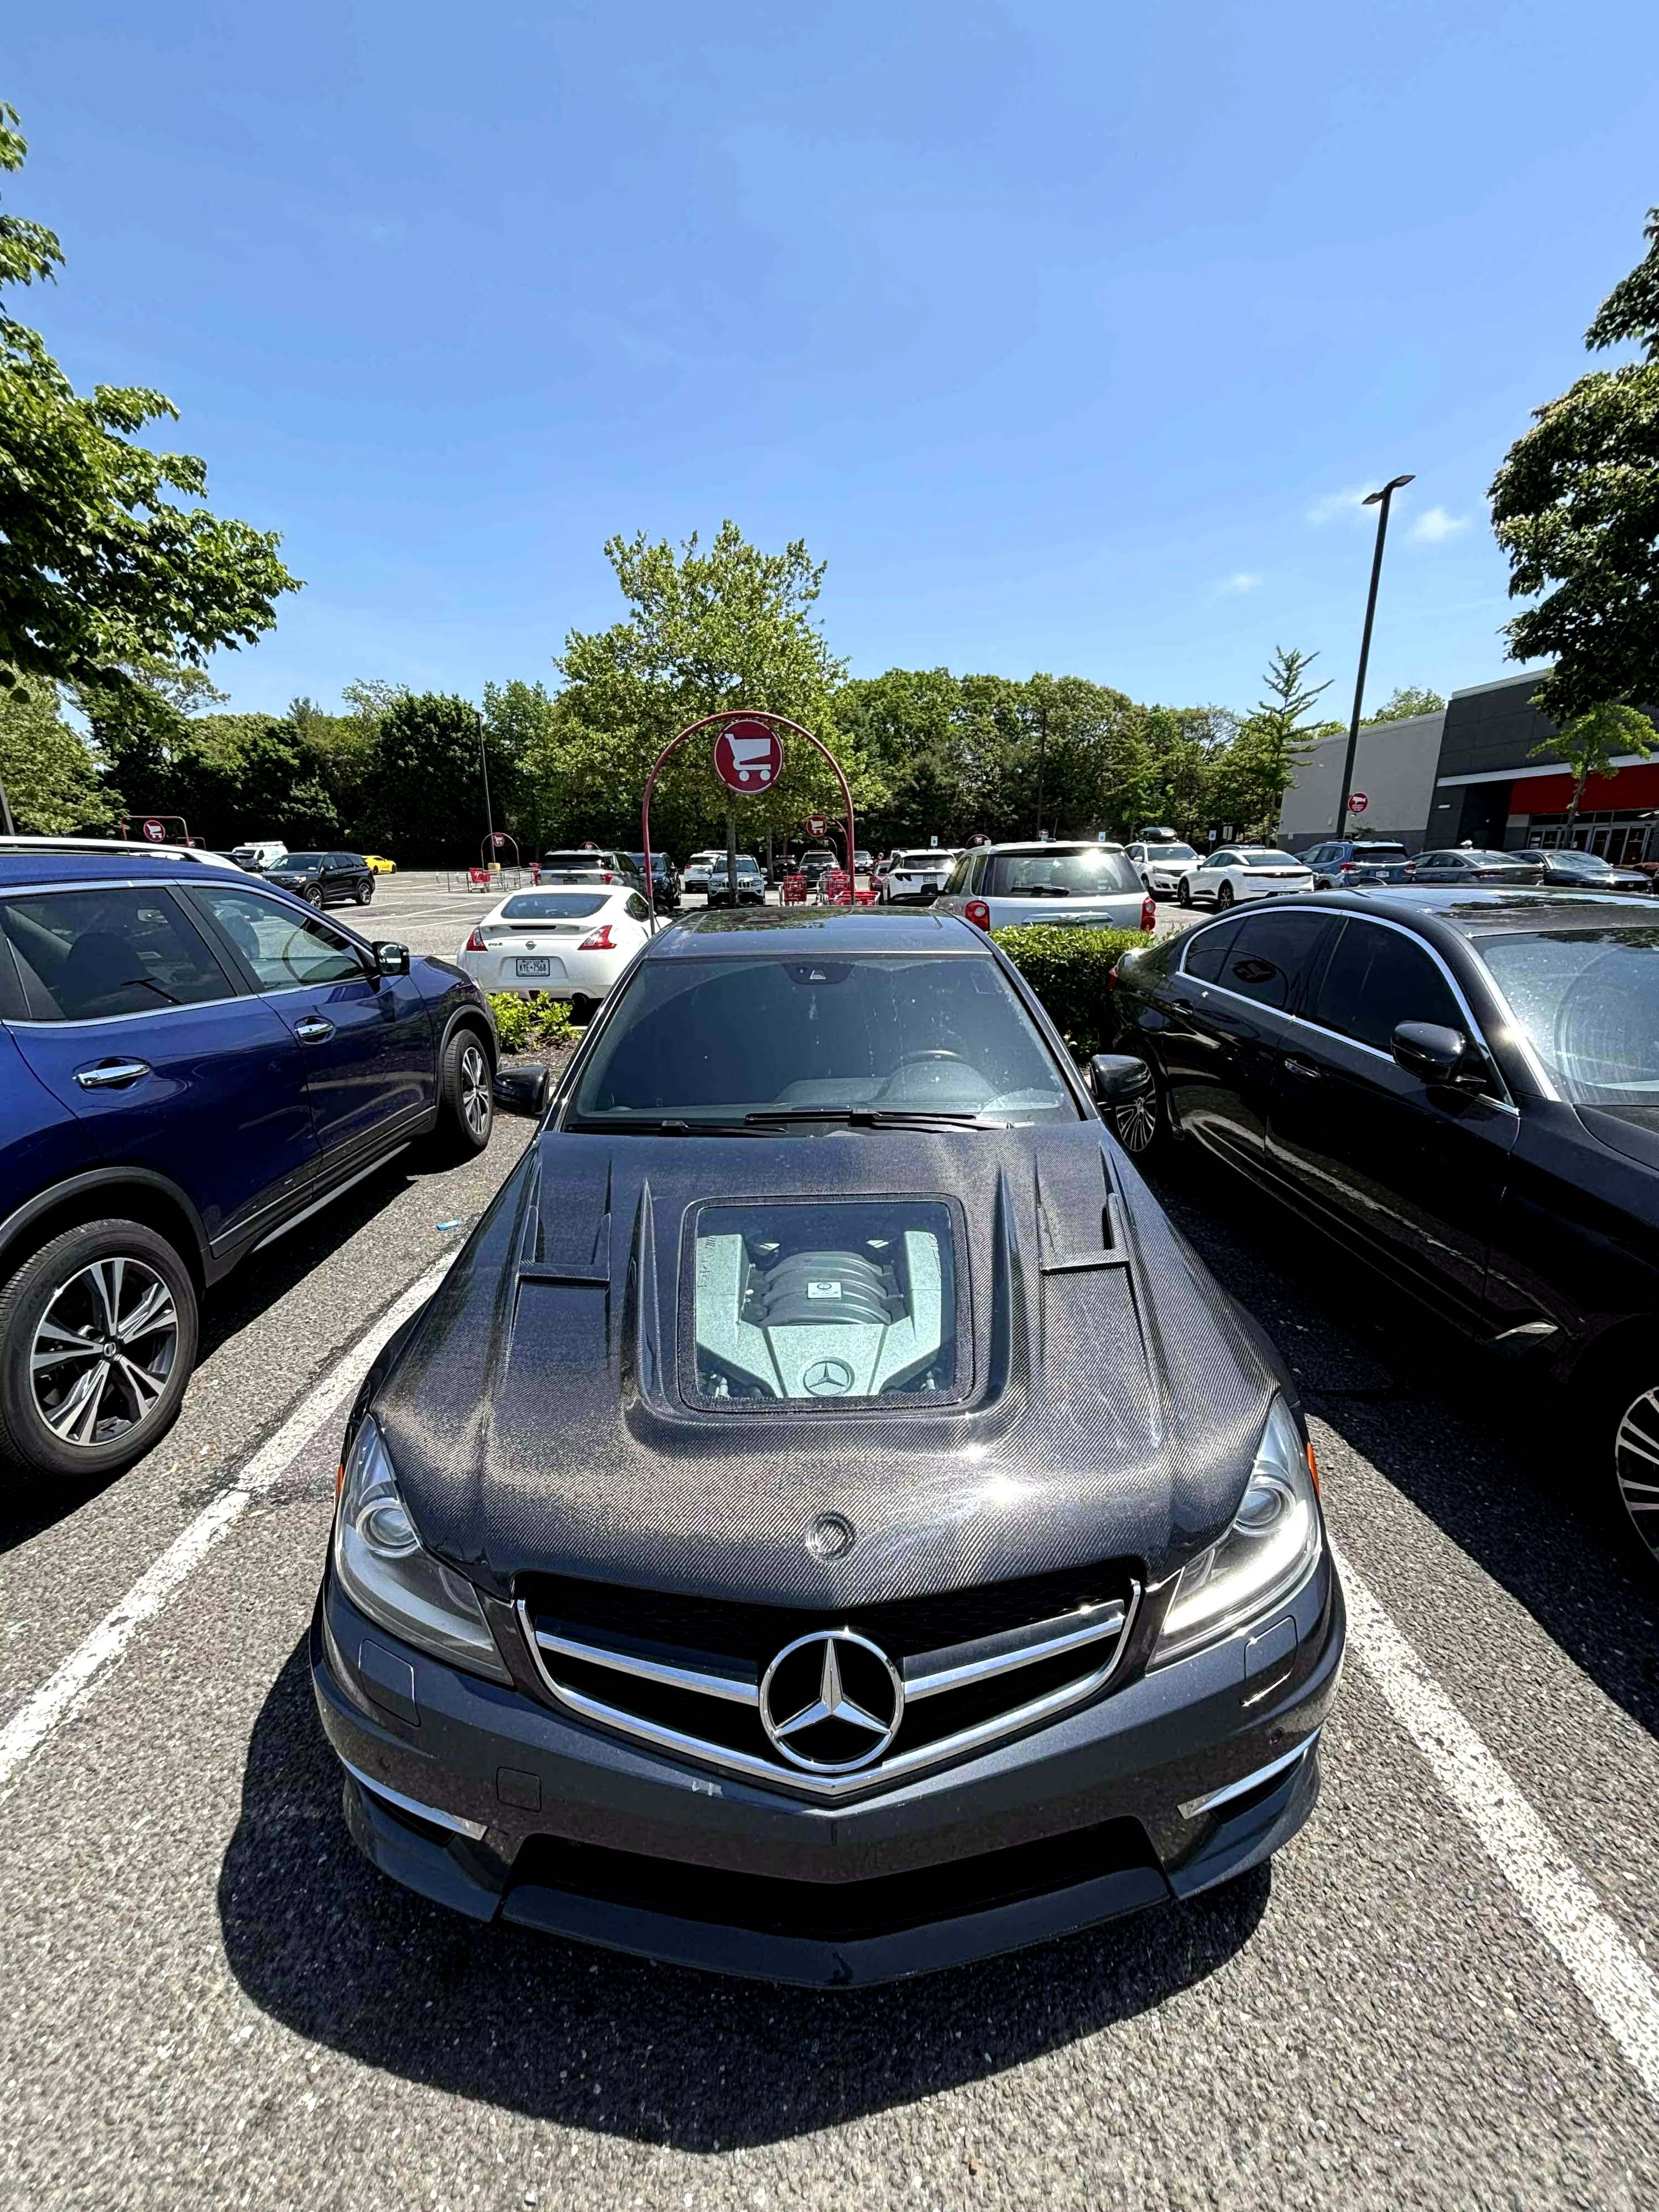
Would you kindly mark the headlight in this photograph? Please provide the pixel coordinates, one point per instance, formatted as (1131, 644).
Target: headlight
(386, 1573)
(1274, 1542)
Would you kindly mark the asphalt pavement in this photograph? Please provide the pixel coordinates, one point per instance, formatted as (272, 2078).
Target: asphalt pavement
(1439, 1995)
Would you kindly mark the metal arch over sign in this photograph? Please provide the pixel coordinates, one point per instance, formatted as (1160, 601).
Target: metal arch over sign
(746, 722)
(748, 756)
(1358, 802)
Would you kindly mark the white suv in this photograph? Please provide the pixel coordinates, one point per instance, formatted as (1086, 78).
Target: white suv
(919, 876)
(1078, 886)
(1162, 863)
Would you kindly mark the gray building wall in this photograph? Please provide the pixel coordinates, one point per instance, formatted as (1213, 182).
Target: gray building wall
(1393, 766)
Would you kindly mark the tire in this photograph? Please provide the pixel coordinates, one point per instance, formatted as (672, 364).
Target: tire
(69, 1288)
(1142, 1127)
(1184, 893)
(466, 1108)
(582, 1009)
(365, 890)
(1223, 898)
(313, 895)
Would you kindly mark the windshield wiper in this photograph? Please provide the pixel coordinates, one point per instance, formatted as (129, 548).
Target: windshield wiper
(667, 1126)
(876, 1117)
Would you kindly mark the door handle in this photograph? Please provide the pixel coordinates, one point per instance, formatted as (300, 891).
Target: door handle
(1294, 1066)
(111, 1074)
(314, 1029)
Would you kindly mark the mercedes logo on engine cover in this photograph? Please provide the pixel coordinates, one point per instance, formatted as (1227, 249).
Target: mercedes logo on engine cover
(831, 1701)
(828, 1378)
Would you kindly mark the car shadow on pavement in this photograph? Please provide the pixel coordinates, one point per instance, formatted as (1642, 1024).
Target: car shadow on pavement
(1485, 1447)
(591, 2038)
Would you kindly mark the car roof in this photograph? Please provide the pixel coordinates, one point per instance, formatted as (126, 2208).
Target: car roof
(721, 933)
(1483, 912)
(1031, 847)
(28, 861)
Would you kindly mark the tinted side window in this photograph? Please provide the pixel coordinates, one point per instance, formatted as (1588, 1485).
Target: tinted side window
(282, 946)
(1376, 978)
(956, 880)
(1207, 948)
(84, 956)
(1271, 956)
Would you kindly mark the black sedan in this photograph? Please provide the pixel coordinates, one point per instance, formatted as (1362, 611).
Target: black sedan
(324, 878)
(665, 881)
(1464, 867)
(827, 1525)
(1464, 1089)
(1569, 871)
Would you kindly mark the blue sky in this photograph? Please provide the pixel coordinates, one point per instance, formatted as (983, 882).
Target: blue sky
(1066, 333)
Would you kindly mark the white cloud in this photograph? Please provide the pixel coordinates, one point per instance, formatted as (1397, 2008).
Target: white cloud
(1243, 581)
(1430, 527)
(1335, 503)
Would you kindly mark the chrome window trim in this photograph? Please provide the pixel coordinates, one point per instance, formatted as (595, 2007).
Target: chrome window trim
(1357, 1044)
(144, 1014)
(885, 1772)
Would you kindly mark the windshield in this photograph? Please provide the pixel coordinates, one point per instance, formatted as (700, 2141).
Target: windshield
(713, 1040)
(1589, 1001)
(1573, 863)
(298, 860)
(1087, 872)
(1170, 853)
(1272, 861)
(554, 906)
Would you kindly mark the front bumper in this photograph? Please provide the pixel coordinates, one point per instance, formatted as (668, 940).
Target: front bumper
(497, 1802)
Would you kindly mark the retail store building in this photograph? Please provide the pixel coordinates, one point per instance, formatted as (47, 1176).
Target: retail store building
(1489, 790)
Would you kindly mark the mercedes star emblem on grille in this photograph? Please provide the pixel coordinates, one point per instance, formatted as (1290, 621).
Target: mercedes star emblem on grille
(828, 1378)
(831, 1702)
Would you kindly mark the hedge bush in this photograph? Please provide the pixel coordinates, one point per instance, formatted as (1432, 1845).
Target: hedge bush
(523, 1023)
(1068, 968)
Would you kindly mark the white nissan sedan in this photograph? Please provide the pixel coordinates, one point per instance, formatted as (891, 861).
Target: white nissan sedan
(571, 944)
(1244, 871)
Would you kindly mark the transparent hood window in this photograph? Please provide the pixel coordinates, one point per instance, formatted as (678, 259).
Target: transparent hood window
(811, 1305)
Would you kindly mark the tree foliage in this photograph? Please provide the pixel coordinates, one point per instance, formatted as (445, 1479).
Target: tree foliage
(49, 776)
(99, 567)
(1576, 507)
(1592, 742)
(1403, 703)
(1251, 777)
(705, 631)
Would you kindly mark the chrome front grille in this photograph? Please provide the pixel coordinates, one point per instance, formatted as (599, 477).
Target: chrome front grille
(922, 1682)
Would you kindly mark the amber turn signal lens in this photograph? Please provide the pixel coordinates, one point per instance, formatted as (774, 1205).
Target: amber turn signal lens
(1313, 1465)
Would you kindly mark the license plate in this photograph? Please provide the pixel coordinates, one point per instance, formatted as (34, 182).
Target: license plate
(529, 968)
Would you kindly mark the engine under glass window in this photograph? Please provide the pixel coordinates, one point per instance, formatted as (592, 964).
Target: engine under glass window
(812, 1303)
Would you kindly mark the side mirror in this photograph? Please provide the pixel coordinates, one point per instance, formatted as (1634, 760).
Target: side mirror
(1436, 1054)
(523, 1090)
(1117, 1078)
(391, 959)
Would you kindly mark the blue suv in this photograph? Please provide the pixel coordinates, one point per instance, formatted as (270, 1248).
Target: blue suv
(190, 1062)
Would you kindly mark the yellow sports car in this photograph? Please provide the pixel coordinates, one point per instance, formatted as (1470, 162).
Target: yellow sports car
(380, 865)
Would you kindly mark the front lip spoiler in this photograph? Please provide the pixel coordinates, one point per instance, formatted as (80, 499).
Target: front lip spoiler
(1195, 1808)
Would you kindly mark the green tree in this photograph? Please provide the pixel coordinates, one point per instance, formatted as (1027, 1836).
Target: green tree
(1591, 742)
(46, 769)
(100, 568)
(1576, 507)
(424, 800)
(1405, 700)
(731, 627)
(1249, 779)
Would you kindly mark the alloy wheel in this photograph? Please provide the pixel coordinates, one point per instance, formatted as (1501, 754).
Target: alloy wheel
(103, 1351)
(1223, 897)
(1636, 1461)
(1136, 1123)
(475, 1091)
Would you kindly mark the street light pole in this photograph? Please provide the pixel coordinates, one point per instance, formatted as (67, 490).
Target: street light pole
(490, 812)
(1380, 501)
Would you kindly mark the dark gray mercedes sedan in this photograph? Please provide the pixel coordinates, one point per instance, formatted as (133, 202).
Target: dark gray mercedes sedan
(827, 1525)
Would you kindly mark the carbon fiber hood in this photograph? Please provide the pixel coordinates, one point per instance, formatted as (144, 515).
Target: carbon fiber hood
(543, 1414)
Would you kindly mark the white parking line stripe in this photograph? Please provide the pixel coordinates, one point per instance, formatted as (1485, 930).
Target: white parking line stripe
(1558, 1900)
(62, 1696)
